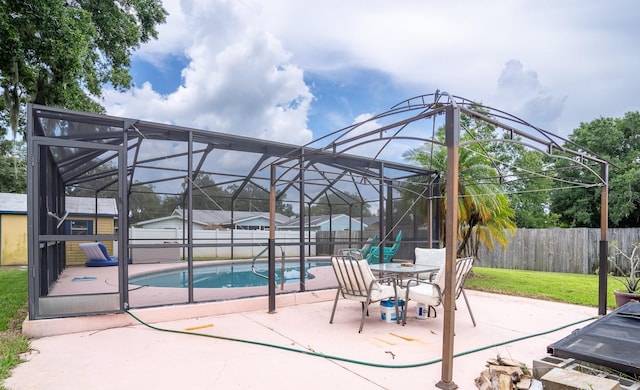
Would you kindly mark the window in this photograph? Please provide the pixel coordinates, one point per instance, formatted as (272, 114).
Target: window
(78, 227)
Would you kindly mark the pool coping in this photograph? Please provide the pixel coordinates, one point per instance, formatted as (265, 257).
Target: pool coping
(163, 301)
(57, 326)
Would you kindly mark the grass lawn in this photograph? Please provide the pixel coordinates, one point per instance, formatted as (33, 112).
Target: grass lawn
(13, 310)
(570, 288)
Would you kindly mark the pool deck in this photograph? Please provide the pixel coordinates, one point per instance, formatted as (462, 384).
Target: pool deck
(96, 280)
(117, 352)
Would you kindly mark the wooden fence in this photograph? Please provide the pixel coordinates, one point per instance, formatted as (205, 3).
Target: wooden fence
(556, 250)
(553, 250)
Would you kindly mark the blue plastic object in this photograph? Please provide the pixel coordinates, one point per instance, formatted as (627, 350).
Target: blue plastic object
(388, 252)
(107, 261)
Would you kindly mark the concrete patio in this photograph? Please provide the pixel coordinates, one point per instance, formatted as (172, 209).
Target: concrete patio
(117, 352)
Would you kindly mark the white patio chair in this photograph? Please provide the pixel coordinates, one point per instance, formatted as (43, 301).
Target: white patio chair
(431, 293)
(356, 282)
(433, 257)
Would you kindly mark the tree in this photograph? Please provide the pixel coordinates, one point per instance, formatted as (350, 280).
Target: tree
(529, 192)
(250, 198)
(527, 185)
(616, 140)
(340, 204)
(61, 52)
(104, 183)
(520, 173)
(207, 195)
(145, 204)
(484, 214)
(13, 168)
(255, 198)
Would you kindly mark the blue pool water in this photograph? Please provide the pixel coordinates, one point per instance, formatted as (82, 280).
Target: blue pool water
(226, 275)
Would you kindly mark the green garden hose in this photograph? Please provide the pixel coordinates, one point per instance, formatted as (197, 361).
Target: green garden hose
(343, 359)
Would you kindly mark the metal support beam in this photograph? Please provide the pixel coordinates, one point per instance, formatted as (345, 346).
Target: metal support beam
(301, 223)
(272, 241)
(33, 224)
(430, 215)
(308, 236)
(123, 223)
(389, 212)
(381, 215)
(604, 244)
(192, 177)
(452, 128)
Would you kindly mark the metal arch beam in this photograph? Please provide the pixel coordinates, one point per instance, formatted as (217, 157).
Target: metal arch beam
(547, 141)
(551, 155)
(497, 123)
(296, 178)
(404, 122)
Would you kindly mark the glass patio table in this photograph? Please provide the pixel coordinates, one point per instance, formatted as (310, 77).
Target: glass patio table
(402, 270)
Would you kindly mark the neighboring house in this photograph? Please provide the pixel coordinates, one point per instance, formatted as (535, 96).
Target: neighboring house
(324, 223)
(372, 222)
(214, 219)
(82, 219)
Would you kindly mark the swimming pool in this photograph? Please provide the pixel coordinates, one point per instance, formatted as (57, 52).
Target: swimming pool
(228, 275)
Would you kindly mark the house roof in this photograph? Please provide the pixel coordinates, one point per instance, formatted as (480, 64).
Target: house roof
(219, 217)
(167, 218)
(372, 220)
(17, 204)
(317, 220)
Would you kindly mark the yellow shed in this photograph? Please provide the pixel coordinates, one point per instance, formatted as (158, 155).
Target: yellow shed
(82, 219)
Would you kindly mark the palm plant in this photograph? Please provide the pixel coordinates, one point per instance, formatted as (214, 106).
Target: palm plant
(484, 214)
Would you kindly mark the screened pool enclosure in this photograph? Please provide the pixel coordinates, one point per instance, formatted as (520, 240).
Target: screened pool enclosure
(160, 173)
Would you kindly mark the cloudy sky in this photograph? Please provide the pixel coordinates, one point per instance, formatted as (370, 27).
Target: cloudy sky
(292, 71)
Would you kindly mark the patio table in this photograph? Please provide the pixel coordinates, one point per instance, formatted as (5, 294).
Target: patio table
(402, 270)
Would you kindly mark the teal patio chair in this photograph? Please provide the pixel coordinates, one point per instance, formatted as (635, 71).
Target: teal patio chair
(361, 253)
(387, 252)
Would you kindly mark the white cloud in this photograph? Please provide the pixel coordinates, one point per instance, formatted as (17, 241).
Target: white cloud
(521, 94)
(239, 80)
(584, 51)
(576, 59)
(173, 36)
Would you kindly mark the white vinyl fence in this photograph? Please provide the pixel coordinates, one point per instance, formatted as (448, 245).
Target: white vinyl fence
(217, 243)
